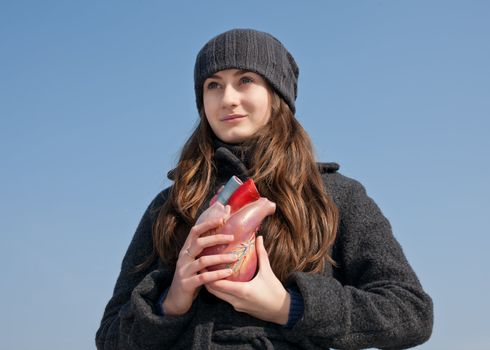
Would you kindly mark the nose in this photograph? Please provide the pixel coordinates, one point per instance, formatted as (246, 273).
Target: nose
(231, 97)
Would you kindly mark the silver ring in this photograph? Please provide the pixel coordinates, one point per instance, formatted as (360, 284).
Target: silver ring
(188, 253)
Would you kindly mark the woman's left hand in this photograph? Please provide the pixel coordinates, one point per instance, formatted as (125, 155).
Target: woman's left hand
(263, 297)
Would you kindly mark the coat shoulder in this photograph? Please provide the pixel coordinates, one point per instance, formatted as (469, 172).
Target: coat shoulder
(338, 186)
(157, 202)
(328, 168)
(333, 179)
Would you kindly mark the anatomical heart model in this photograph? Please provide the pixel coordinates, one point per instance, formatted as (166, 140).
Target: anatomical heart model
(243, 210)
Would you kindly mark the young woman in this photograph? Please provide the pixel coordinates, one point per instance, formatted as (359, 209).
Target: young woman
(330, 273)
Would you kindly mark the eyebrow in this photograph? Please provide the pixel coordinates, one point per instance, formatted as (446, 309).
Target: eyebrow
(238, 72)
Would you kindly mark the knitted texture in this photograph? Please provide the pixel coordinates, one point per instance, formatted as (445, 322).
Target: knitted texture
(296, 306)
(371, 299)
(250, 50)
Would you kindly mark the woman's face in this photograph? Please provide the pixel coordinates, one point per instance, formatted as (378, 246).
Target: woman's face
(237, 103)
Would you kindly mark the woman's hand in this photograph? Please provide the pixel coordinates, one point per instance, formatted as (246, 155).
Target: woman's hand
(187, 280)
(264, 297)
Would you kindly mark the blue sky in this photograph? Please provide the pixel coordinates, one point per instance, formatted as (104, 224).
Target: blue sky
(96, 99)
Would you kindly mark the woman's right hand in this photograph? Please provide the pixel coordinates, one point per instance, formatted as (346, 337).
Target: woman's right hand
(190, 272)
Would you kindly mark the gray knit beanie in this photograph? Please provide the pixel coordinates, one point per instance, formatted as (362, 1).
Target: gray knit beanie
(250, 50)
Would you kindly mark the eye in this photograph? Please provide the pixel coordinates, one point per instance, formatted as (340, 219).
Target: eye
(246, 80)
(212, 85)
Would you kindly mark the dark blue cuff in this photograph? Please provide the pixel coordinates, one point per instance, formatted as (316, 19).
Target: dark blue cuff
(159, 306)
(296, 308)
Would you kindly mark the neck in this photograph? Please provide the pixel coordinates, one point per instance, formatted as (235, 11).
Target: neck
(231, 159)
(234, 147)
(238, 149)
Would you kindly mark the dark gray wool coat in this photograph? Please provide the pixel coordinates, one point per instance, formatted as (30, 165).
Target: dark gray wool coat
(372, 299)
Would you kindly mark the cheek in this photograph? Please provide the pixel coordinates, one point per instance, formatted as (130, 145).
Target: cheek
(206, 108)
(265, 110)
(259, 104)
(263, 104)
(209, 103)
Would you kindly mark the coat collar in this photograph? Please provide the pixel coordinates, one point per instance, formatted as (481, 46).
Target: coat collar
(228, 163)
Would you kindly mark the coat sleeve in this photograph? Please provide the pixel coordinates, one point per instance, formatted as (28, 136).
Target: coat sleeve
(130, 320)
(375, 299)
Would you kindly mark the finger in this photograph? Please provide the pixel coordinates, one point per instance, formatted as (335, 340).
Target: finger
(195, 232)
(201, 243)
(207, 277)
(209, 241)
(188, 252)
(262, 254)
(211, 260)
(228, 287)
(205, 226)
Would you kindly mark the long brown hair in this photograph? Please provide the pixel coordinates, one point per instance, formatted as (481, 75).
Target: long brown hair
(298, 237)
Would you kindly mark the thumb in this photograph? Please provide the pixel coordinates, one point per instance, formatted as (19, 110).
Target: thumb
(262, 254)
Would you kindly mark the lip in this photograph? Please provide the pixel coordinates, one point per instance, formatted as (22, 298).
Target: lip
(232, 117)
